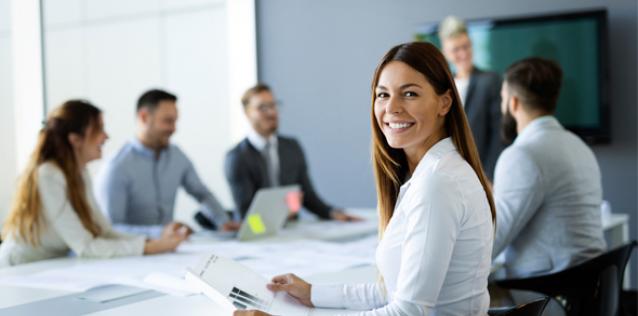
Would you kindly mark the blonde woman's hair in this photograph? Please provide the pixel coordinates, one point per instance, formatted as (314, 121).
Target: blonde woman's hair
(25, 220)
(451, 27)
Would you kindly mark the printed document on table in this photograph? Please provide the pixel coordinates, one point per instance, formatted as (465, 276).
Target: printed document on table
(234, 286)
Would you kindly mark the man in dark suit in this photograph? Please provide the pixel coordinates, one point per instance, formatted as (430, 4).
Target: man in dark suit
(479, 90)
(264, 159)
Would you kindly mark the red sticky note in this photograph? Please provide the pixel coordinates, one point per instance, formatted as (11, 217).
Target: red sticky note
(293, 200)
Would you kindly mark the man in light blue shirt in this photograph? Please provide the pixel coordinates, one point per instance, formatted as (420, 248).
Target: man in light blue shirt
(547, 184)
(137, 187)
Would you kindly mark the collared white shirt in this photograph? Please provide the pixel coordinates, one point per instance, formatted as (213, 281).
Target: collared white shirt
(259, 142)
(462, 85)
(435, 254)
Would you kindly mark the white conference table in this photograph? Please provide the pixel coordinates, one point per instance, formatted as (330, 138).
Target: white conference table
(616, 227)
(163, 304)
(201, 305)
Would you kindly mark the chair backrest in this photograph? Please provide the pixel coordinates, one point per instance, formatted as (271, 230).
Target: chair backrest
(607, 298)
(533, 308)
(579, 287)
(618, 257)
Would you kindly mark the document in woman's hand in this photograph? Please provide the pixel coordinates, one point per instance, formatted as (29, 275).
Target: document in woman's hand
(234, 286)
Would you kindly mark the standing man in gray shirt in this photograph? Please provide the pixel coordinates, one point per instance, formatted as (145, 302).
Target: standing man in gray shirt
(137, 187)
(547, 184)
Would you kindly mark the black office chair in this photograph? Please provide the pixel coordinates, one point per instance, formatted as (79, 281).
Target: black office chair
(588, 288)
(608, 292)
(533, 308)
(629, 303)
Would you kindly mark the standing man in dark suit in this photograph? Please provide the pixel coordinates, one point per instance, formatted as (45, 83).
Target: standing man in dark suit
(479, 90)
(264, 159)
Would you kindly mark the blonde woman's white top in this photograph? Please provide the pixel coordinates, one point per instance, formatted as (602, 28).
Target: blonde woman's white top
(62, 231)
(435, 254)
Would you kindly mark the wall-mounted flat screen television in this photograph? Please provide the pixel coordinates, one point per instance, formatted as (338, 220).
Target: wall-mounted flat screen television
(577, 41)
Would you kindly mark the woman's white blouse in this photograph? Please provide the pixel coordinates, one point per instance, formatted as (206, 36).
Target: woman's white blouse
(62, 231)
(435, 253)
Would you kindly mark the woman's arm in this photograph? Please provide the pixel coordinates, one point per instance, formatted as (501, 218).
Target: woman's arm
(63, 219)
(368, 297)
(353, 297)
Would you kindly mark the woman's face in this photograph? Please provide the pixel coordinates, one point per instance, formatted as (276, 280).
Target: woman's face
(407, 109)
(89, 147)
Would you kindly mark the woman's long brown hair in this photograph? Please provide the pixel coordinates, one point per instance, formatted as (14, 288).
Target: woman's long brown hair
(390, 165)
(25, 218)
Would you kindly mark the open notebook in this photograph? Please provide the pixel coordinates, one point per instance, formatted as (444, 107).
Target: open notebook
(234, 286)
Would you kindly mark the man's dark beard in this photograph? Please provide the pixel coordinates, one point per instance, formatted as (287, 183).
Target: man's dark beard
(508, 128)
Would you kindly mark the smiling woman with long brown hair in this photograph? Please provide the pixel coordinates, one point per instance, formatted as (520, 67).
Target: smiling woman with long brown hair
(436, 212)
(54, 210)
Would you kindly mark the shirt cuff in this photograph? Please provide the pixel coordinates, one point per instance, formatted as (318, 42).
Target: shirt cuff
(327, 296)
(218, 218)
(139, 243)
(155, 231)
(151, 231)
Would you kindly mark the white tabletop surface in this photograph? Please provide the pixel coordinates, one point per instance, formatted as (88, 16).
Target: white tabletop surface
(200, 304)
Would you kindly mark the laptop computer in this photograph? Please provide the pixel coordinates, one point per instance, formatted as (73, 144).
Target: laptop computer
(268, 212)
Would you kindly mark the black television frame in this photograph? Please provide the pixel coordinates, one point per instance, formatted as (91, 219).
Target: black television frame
(602, 134)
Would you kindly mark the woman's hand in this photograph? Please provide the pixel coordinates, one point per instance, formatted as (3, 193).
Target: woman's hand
(250, 313)
(176, 228)
(166, 243)
(294, 286)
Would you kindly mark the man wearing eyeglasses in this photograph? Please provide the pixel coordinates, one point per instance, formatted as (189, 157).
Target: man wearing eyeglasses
(265, 159)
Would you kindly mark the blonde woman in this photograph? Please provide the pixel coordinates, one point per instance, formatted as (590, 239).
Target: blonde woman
(435, 206)
(54, 210)
(479, 91)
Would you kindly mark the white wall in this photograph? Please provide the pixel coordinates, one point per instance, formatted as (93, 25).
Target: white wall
(109, 52)
(28, 78)
(7, 134)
